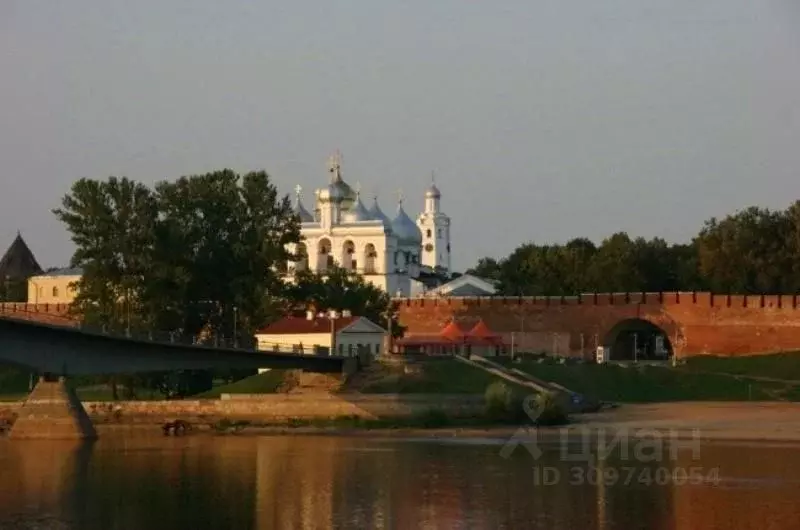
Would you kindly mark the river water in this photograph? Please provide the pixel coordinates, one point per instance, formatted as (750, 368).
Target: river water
(137, 481)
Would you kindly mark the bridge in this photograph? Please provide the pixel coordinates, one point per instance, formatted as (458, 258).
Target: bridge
(57, 351)
(66, 351)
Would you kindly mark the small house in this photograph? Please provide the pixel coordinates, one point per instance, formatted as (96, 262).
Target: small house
(322, 334)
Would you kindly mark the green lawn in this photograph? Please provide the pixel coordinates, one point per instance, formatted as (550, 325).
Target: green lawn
(266, 383)
(650, 384)
(784, 366)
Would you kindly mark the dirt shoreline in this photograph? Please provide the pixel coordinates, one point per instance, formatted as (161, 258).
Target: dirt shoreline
(709, 422)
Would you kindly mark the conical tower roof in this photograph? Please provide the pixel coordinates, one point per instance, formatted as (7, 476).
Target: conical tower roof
(19, 263)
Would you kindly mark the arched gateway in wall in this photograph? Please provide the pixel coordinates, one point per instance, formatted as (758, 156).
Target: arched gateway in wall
(637, 339)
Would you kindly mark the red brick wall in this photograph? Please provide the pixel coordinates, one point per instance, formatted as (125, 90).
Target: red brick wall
(696, 323)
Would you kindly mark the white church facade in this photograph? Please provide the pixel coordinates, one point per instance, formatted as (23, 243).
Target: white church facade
(396, 254)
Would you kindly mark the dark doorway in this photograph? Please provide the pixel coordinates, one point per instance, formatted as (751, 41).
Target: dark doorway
(637, 340)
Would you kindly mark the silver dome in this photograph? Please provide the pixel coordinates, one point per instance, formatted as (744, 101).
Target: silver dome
(331, 193)
(377, 214)
(348, 196)
(357, 212)
(433, 192)
(405, 229)
(346, 192)
(301, 212)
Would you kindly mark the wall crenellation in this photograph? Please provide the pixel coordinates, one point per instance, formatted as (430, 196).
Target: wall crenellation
(783, 301)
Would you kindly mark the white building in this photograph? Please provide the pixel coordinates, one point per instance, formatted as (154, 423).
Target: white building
(316, 333)
(393, 254)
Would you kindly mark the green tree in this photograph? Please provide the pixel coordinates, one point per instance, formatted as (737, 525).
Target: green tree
(339, 289)
(748, 252)
(487, 268)
(220, 247)
(112, 225)
(198, 255)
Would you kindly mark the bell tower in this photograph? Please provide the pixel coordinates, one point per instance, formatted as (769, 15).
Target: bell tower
(435, 228)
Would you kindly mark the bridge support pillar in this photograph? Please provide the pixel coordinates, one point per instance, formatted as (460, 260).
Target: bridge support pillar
(53, 412)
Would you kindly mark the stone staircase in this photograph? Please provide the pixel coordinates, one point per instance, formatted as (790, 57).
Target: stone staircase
(300, 382)
(525, 379)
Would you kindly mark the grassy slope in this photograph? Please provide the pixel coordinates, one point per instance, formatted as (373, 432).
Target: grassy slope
(265, 383)
(784, 366)
(648, 384)
(434, 377)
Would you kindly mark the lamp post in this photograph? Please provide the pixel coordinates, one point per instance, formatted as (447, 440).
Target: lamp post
(332, 316)
(235, 323)
(390, 315)
(514, 344)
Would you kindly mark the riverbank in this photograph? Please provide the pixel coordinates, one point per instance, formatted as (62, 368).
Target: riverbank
(709, 422)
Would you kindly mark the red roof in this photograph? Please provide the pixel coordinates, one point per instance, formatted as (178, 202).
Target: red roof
(302, 325)
(452, 331)
(481, 330)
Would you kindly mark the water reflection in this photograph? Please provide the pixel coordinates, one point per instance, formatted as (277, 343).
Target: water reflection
(130, 482)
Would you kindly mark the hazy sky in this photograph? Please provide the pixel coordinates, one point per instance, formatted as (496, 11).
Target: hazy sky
(543, 119)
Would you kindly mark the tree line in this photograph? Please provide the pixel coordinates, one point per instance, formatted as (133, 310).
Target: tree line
(755, 250)
(200, 256)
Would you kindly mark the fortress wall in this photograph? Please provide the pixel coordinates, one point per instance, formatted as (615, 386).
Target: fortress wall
(695, 322)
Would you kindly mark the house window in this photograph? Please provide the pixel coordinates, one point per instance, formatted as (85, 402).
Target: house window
(440, 232)
(341, 349)
(55, 292)
(429, 232)
(377, 349)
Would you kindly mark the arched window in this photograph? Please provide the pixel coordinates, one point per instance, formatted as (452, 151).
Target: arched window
(370, 257)
(429, 233)
(324, 256)
(55, 292)
(349, 261)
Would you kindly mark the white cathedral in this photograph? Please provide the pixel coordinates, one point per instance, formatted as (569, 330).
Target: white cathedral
(398, 255)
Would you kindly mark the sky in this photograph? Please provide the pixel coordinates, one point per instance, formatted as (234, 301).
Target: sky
(543, 120)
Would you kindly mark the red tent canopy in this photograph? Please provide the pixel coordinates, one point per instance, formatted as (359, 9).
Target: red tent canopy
(453, 331)
(482, 334)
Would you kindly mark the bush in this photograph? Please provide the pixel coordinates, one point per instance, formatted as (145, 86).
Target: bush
(507, 404)
(503, 403)
(551, 409)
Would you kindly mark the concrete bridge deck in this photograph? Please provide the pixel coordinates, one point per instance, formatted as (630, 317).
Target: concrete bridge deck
(73, 350)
